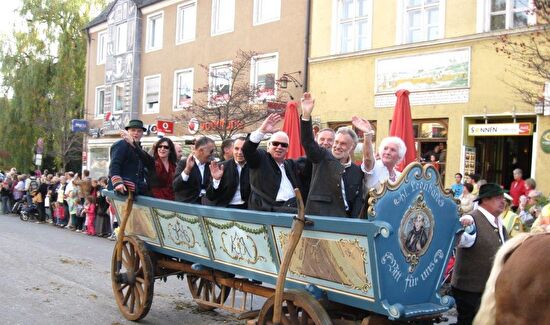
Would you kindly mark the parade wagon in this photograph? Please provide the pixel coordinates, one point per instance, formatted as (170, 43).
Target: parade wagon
(311, 269)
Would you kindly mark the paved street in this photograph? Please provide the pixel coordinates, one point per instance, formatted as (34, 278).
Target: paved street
(56, 276)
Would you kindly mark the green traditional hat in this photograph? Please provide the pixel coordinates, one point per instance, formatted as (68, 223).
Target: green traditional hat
(135, 124)
(489, 190)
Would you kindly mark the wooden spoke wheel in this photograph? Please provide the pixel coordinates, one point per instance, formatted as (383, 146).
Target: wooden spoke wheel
(205, 290)
(299, 307)
(133, 283)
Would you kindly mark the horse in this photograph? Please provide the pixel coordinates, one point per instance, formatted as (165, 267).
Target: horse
(517, 289)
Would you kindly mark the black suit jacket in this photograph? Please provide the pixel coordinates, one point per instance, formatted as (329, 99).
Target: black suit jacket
(189, 191)
(325, 192)
(229, 182)
(265, 176)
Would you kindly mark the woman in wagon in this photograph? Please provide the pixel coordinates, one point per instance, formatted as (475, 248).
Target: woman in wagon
(417, 236)
(391, 151)
(161, 165)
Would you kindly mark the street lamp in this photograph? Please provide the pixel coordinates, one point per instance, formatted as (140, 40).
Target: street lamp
(288, 77)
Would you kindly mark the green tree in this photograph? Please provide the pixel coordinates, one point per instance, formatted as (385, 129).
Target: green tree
(43, 65)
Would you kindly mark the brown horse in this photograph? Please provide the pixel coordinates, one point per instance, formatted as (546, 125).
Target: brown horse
(518, 289)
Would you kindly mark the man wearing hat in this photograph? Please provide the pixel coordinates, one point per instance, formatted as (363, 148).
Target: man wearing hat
(482, 237)
(126, 172)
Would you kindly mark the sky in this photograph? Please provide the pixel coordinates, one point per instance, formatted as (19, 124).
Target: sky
(7, 15)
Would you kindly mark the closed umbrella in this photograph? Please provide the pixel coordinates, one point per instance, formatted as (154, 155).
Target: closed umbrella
(291, 125)
(401, 126)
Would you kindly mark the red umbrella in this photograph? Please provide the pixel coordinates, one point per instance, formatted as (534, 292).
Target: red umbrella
(291, 125)
(401, 126)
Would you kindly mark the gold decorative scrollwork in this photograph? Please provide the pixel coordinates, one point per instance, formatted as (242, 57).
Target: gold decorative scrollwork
(239, 250)
(181, 235)
(356, 245)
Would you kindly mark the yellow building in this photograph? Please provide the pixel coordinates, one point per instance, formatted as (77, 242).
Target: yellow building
(443, 52)
(146, 58)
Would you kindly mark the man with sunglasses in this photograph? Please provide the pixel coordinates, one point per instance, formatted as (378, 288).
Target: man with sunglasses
(336, 182)
(192, 174)
(272, 177)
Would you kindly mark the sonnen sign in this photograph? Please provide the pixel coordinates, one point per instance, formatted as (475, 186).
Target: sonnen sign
(501, 129)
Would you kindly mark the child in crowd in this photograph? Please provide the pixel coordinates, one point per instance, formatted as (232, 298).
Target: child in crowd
(59, 214)
(72, 203)
(89, 207)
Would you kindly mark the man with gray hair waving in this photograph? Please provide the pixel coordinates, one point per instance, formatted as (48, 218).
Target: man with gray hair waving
(336, 183)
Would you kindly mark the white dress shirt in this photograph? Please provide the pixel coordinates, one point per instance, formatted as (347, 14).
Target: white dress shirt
(467, 240)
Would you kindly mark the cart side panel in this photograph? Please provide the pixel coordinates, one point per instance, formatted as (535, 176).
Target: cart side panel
(141, 224)
(411, 258)
(334, 261)
(181, 232)
(242, 244)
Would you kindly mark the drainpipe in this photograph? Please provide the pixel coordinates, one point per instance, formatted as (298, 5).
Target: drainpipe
(306, 41)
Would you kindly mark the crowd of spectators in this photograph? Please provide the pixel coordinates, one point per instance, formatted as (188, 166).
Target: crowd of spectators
(64, 200)
(523, 201)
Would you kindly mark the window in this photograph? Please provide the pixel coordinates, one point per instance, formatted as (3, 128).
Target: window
(263, 72)
(186, 22)
(151, 94)
(99, 102)
(183, 89)
(354, 25)
(118, 91)
(505, 14)
(223, 16)
(98, 162)
(154, 31)
(266, 11)
(121, 37)
(423, 20)
(101, 47)
(219, 83)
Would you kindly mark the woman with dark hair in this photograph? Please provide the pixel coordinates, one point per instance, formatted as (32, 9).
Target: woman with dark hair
(161, 166)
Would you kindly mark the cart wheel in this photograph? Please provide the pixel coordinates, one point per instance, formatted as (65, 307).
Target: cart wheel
(133, 283)
(299, 307)
(206, 290)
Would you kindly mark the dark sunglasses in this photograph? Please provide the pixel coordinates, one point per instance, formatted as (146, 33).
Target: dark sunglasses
(277, 143)
(163, 146)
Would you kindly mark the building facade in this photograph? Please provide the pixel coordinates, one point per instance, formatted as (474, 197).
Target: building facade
(146, 58)
(443, 52)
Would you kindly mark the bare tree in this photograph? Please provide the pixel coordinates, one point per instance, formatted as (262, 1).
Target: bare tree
(229, 103)
(532, 52)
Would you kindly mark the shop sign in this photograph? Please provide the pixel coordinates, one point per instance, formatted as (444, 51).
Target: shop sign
(166, 127)
(79, 125)
(193, 126)
(221, 124)
(276, 108)
(545, 141)
(500, 129)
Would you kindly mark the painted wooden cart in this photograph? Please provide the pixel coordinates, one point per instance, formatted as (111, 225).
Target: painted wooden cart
(312, 269)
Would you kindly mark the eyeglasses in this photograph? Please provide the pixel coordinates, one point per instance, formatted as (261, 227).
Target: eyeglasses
(164, 147)
(277, 143)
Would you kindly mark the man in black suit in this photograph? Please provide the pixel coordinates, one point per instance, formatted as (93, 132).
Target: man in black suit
(272, 177)
(230, 186)
(336, 182)
(325, 139)
(192, 174)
